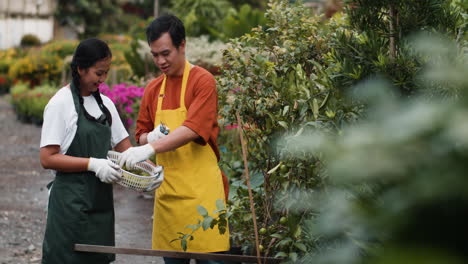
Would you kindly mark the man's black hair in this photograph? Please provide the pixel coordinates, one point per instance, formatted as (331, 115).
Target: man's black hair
(166, 23)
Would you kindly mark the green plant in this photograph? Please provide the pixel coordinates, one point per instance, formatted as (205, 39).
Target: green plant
(7, 57)
(139, 58)
(274, 79)
(240, 22)
(30, 40)
(199, 16)
(219, 219)
(36, 68)
(372, 39)
(61, 48)
(29, 104)
(89, 18)
(397, 191)
(202, 52)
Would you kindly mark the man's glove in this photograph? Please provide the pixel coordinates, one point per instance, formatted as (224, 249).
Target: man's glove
(106, 170)
(157, 133)
(135, 154)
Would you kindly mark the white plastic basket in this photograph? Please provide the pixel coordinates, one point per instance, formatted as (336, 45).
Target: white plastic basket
(139, 182)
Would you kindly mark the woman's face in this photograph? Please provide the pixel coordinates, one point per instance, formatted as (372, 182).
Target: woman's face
(92, 77)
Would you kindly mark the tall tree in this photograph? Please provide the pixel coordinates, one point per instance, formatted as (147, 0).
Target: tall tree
(376, 40)
(89, 18)
(200, 16)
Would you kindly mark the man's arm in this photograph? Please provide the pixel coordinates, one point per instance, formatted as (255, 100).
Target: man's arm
(177, 138)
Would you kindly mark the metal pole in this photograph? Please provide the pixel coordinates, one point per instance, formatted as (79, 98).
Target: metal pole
(175, 254)
(156, 8)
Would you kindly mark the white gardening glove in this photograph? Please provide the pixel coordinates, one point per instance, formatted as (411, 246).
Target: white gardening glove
(135, 154)
(157, 133)
(106, 170)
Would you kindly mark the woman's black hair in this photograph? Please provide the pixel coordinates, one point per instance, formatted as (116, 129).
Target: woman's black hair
(87, 53)
(163, 24)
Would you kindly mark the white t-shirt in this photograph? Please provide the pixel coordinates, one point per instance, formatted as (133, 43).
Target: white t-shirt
(60, 119)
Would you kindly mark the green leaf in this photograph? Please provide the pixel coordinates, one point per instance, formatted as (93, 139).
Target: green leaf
(283, 124)
(183, 244)
(301, 246)
(293, 256)
(207, 222)
(315, 109)
(298, 232)
(285, 110)
(213, 223)
(281, 254)
(220, 204)
(201, 210)
(194, 227)
(274, 169)
(279, 236)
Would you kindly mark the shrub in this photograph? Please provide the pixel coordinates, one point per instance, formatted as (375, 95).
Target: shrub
(61, 48)
(274, 79)
(204, 53)
(398, 179)
(29, 104)
(30, 40)
(121, 70)
(240, 22)
(139, 59)
(373, 40)
(7, 57)
(36, 68)
(200, 16)
(126, 99)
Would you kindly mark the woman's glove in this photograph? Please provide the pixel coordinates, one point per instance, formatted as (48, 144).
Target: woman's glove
(135, 154)
(157, 133)
(106, 170)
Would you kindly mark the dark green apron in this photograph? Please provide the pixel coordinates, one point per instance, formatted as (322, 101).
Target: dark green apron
(81, 208)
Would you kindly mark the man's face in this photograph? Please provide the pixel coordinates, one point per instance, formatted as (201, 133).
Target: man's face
(169, 59)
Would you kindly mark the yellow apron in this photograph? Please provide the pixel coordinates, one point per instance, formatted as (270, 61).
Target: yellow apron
(191, 177)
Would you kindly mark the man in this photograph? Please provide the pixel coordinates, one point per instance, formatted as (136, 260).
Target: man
(183, 99)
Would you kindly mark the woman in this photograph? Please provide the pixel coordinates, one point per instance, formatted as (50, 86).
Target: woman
(80, 127)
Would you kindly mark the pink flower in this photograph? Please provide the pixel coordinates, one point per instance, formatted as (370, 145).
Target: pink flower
(129, 122)
(128, 109)
(230, 127)
(124, 97)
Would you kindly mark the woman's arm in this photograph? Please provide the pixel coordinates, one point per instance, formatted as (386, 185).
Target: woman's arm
(123, 145)
(51, 158)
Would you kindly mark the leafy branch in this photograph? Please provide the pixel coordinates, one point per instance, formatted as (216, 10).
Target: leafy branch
(208, 221)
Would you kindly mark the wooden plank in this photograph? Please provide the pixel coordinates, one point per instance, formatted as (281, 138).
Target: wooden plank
(174, 254)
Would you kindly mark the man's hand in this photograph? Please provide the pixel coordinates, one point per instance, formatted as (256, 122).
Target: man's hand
(106, 170)
(135, 154)
(158, 132)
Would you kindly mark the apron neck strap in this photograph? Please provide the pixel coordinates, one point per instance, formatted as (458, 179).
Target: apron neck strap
(162, 91)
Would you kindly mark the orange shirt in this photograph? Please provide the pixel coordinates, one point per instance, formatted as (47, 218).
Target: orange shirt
(201, 101)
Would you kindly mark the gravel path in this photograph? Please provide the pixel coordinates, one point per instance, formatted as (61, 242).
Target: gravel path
(24, 197)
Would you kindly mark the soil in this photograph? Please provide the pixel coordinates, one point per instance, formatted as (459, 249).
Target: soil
(24, 199)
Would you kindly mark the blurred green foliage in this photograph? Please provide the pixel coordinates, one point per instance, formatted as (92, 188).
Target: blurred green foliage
(90, 18)
(36, 68)
(239, 22)
(29, 40)
(397, 191)
(200, 16)
(61, 48)
(29, 103)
